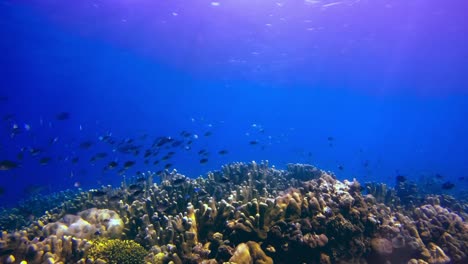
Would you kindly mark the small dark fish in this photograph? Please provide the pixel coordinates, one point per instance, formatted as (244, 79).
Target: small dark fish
(98, 156)
(185, 134)
(203, 161)
(156, 162)
(35, 151)
(163, 141)
(201, 152)
(461, 178)
(45, 160)
(146, 162)
(62, 116)
(105, 138)
(147, 154)
(178, 182)
(400, 178)
(129, 164)
(75, 160)
(330, 138)
(168, 166)
(97, 233)
(170, 153)
(86, 144)
(253, 142)
(448, 185)
(439, 176)
(208, 133)
(97, 193)
(53, 140)
(8, 165)
(223, 152)
(20, 155)
(128, 148)
(134, 187)
(340, 167)
(111, 165)
(166, 157)
(2, 191)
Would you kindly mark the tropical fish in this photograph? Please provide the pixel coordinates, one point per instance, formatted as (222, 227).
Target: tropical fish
(253, 142)
(400, 178)
(111, 165)
(45, 160)
(129, 164)
(8, 165)
(448, 185)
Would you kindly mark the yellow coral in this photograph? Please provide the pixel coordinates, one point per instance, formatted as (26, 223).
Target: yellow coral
(116, 251)
(159, 258)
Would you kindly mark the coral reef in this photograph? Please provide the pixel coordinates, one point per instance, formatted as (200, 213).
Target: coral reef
(246, 213)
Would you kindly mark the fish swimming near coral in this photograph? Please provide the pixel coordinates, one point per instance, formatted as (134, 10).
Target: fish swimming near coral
(448, 185)
(45, 160)
(8, 165)
(111, 165)
(129, 164)
(223, 152)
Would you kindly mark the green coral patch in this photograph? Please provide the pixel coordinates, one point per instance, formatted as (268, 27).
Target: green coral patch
(116, 251)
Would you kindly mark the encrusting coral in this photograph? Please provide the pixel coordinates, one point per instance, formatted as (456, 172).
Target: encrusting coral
(245, 213)
(116, 251)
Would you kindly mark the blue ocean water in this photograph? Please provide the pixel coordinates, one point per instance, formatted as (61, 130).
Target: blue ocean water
(365, 89)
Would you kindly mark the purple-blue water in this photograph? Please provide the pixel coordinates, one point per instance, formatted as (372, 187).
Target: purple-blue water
(366, 89)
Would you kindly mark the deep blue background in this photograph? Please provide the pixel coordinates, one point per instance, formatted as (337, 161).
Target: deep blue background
(396, 98)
